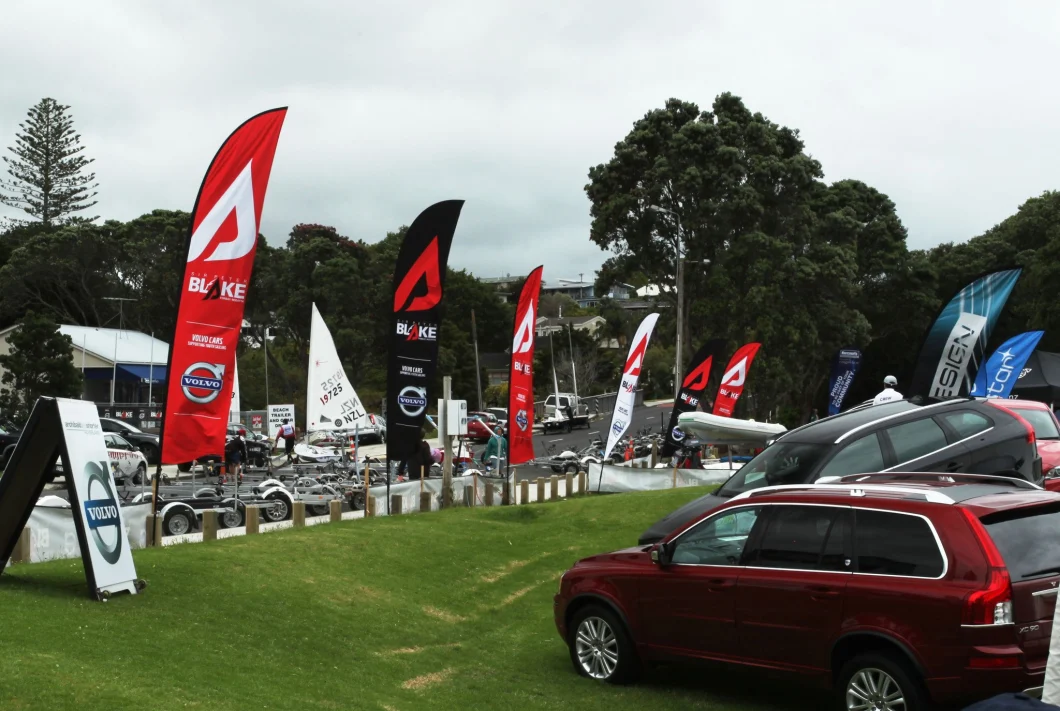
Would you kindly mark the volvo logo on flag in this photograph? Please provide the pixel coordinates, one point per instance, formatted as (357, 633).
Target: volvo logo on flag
(522, 420)
(202, 382)
(412, 400)
(101, 512)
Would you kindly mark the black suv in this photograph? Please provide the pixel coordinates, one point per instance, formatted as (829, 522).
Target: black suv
(961, 435)
(146, 442)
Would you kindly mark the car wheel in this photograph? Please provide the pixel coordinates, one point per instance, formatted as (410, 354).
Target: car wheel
(177, 522)
(318, 510)
(184, 467)
(357, 502)
(140, 475)
(571, 469)
(279, 509)
(557, 468)
(880, 681)
(600, 647)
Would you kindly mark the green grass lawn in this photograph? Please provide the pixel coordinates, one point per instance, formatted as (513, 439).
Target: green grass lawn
(451, 610)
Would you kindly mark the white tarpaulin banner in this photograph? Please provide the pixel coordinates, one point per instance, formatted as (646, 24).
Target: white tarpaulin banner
(626, 397)
(622, 479)
(110, 564)
(331, 401)
(53, 536)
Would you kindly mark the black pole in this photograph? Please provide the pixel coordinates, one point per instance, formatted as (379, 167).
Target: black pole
(388, 485)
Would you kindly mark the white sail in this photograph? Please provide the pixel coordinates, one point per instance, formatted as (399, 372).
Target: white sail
(331, 401)
(233, 415)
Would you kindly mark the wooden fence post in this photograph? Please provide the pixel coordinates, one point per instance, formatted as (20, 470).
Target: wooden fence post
(335, 509)
(395, 504)
(654, 453)
(554, 488)
(582, 478)
(23, 548)
(568, 481)
(253, 520)
(540, 489)
(469, 496)
(209, 526)
(489, 493)
(425, 501)
(369, 505)
(299, 514)
(524, 491)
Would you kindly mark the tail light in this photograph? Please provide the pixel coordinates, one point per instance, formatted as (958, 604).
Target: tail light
(991, 605)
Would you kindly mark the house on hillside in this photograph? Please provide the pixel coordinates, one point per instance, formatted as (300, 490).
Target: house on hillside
(505, 286)
(119, 366)
(584, 292)
(545, 326)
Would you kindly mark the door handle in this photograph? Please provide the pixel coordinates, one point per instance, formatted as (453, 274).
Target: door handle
(820, 594)
(719, 585)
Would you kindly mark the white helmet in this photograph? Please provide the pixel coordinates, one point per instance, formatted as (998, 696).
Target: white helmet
(890, 381)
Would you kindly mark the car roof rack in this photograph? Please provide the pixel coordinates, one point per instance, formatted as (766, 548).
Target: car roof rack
(937, 476)
(932, 495)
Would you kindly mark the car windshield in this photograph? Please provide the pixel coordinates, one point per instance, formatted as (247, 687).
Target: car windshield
(1042, 421)
(780, 463)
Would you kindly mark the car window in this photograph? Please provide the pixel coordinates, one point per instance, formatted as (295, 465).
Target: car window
(913, 440)
(1042, 422)
(108, 439)
(795, 537)
(887, 543)
(967, 423)
(780, 463)
(563, 402)
(716, 541)
(1019, 539)
(859, 457)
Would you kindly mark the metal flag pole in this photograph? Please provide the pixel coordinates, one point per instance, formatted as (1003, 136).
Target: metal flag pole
(151, 372)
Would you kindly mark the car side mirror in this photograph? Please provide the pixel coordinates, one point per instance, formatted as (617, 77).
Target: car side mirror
(661, 554)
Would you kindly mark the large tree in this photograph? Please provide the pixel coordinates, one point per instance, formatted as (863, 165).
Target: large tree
(48, 179)
(771, 252)
(39, 364)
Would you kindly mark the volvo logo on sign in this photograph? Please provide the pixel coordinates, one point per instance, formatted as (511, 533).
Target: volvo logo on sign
(412, 400)
(202, 382)
(101, 512)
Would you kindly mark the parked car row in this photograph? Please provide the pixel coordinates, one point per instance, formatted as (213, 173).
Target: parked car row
(900, 554)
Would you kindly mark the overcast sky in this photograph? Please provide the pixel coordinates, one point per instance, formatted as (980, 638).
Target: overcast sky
(949, 108)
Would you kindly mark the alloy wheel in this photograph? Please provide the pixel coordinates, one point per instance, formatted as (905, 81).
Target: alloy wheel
(874, 690)
(597, 648)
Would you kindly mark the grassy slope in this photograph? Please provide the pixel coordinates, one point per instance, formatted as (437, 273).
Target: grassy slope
(451, 610)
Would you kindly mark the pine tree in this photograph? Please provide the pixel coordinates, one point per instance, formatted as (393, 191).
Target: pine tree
(47, 181)
(40, 364)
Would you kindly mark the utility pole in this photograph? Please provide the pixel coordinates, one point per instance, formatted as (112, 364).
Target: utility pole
(478, 370)
(447, 445)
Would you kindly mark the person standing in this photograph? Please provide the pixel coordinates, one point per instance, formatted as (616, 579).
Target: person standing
(286, 433)
(496, 447)
(888, 394)
(235, 454)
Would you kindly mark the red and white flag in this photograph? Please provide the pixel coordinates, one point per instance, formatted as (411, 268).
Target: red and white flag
(732, 382)
(521, 374)
(628, 387)
(221, 246)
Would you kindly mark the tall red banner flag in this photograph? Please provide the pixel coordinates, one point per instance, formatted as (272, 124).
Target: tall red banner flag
(521, 374)
(733, 380)
(221, 245)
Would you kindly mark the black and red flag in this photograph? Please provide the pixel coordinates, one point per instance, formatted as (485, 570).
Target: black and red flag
(419, 282)
(734, 379)
(521, 374)
(222, 240)
(692, 388)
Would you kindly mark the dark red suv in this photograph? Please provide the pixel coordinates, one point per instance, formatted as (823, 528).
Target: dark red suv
(895, 589)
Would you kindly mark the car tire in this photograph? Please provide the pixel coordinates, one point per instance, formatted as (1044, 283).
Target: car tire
(318, 510)
(882, 671)
(357, 501)
(141, 475)
(600, 647)
(177, 522)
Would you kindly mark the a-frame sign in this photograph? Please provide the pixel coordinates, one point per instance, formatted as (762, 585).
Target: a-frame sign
(69, 429)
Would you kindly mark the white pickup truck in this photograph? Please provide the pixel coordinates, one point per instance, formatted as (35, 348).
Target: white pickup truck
(564, 411)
